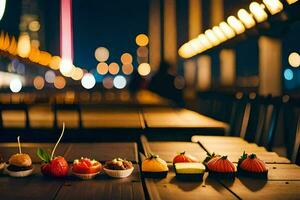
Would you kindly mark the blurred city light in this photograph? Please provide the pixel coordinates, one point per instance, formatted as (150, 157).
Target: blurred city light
(113, 68)
(258, 11)
(2, 8)
(144, 69)
(274, 6)
(126, 58)
(50, 76)
(108, 83)
(15, 85)
(246, 18)
(142, 40)
(102, 68)
(101, 54)
(237, 26)
(288, 74)
(127, 69)
(66, 67)
(34, 26)
(55, 62)
(294, 59)
(88, 81)
(38, 82)
(59, 82)
(24, 45)
(77, 73)
(119, 82)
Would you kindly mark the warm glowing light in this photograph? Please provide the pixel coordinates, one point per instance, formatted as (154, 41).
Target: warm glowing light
(15, 85)
(24, 45)
(108, 83)
(34, 26)
(34, 55)
(66, 67)
(55, 62)
(113, 68)
(142, 52)
(13, 46)
(258, 11)
(274, 6)
(291, 1)
(88, 81)
(5, 42)
(120, 82)
(218, 32)
(196, 45)
(204, 41)
(2, 8)
(142, 40)
(227, 30)
(35, 43)
(186, 51)
(126, 58)
(59, 82)
(102, 68)
(144, 69)
(212, 37)
(50, 76)
(66, 35)
(127, 69)
(45, 58)
(294, 59)
(101, 54)
(236, 24)
(38, 82)
(77, 73)
(246, 18)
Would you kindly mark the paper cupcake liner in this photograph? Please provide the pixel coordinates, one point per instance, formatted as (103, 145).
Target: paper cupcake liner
(155, 174)
(118, 173)
(85, 176)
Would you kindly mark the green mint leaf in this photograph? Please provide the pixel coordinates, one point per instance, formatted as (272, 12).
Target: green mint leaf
(43, 155)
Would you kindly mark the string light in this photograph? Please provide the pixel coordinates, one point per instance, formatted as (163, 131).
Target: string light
(274, 6)
(258, 11)
(246, 18)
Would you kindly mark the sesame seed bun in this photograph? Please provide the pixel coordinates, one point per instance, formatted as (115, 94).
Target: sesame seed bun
(20, 160)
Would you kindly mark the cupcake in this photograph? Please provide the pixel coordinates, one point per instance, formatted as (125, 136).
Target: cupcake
(251, 166)
(85, 168)
(220, 166)
(190, 171)
(118, 168)
(154, 167)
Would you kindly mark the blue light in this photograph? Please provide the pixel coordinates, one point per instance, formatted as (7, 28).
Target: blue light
(288, 74)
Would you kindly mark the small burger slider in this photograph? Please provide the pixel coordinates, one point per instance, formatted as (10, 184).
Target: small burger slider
(20, 164)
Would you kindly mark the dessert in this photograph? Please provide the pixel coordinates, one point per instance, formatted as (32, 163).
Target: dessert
(20, 164)
(53, 167)
(184, 157)
(118, 168)
(154, 167)
(189, 171)
(85, 168)
(220, 166)
(250, 165)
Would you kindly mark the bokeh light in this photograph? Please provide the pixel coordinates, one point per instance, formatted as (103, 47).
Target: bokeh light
(15, 85)
(2, 8)
(142, 52)
(88, 81)
(113, 68)
(127, 69)
(66, 67)
(294, 59)
(77, 73)
(45, 58)
(119, 82)
(55, 62)
(101, 54)
(24, 45)
(50, 76)
(59, 82)
(108, 83)
(35, 43)
(288, 74)
(126, 58)
(144, 69)
(102, 68)
(38, 82)
(34, 55)
(142, 40)
(34, 26)
(179, 82)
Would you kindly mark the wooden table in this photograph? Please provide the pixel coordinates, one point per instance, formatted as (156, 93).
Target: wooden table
(38, 187)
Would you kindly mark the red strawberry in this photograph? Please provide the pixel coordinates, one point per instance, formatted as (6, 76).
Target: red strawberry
(59, 167)
(45, 169)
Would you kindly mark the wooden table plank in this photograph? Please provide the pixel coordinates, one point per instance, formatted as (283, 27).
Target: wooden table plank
(168, 150)
(34, 187)
(8, 149)
(218, 139)
(248, 188)
(102, 151)
(103, 187)
(287, 172)
(171, 188)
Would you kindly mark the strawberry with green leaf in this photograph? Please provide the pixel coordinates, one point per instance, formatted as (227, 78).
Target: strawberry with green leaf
(55, 167)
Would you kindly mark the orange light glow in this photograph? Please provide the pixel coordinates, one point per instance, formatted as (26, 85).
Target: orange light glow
(126, 58)
(45, 58)
(55, 62)
(113, 68)
(38, 82)
(142, 40)
(59, 82)
(24, 45)
(127, 69)
(144, 69)
(102, 68)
